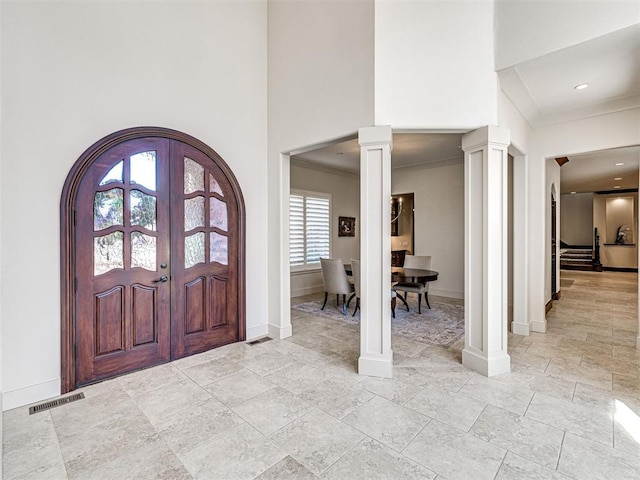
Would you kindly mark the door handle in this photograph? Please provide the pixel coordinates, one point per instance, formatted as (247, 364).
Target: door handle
(162, 279)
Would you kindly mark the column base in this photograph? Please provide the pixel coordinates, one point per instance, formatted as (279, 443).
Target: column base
(376, 365)
(520, 328)
(539, 327)
(487, 366)
(280, 332)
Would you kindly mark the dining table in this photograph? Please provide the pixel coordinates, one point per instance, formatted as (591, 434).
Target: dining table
(406, 275)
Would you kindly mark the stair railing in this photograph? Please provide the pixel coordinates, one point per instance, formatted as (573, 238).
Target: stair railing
(596, 248)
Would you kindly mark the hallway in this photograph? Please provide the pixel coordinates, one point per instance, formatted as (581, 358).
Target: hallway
(296, 409)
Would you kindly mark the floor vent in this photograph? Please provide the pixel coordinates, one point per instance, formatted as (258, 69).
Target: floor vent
(258, 340)
(55, 403)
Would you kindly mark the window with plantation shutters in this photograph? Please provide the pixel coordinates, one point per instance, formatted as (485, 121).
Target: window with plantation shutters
(309, 227)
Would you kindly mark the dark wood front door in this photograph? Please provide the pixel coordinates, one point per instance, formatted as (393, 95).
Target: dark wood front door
(157, 252)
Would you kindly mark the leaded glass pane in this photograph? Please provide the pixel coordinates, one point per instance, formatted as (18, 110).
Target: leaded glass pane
(143, 169)
(218, 248)
(193, 176)
(143, 209)
(108, 209)
(143, 251)
(217, 214)
(108, 253)
(193, 249)
(113, 175)
(214, 186)
(193, 213)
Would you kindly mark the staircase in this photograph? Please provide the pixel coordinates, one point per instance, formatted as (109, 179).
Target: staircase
(581, 257)
(577, 258)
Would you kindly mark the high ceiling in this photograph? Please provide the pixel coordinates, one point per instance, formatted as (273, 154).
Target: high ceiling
(408, 149)
(597, 171)
(542, 89)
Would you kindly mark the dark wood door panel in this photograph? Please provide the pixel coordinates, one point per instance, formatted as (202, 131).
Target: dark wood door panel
(144, 315)
(109, 321)
(205, 251)
(122, 239)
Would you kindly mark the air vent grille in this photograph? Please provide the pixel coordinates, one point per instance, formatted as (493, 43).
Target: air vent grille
(55, 403)
(258, 340)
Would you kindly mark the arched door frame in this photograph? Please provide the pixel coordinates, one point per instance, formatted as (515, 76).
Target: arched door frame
(67, 234)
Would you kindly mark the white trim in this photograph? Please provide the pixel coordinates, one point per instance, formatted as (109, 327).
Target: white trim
(487, 366)
(311, 165)
(284, 307)
(30, 394)
(539, 326)
(301, 292)
(280, 332)
(305, 269)
(444, 292)
(520, 329)
(257, 331)
(376, 365)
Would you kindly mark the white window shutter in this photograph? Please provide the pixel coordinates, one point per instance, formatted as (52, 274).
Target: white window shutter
(309, 227)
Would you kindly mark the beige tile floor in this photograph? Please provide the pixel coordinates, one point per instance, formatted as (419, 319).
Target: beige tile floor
(296, 409)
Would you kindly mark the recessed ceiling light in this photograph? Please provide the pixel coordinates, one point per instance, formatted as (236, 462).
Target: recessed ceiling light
(618, 178)
(582, 86)
(572, 193)
(619, 164)
(617, 186)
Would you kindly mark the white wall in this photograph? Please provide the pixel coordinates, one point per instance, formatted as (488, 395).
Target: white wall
(320, 87)
(435, 64)
(439, 220)
(509, 117)
(576, 218)
(74, 72)
(527, 29)
(344, 188)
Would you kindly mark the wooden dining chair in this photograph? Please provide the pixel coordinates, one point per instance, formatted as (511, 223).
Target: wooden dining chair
(422, 262)
(335, 281)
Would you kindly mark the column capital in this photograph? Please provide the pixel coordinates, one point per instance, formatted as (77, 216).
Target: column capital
(375, 136)
(485, 135)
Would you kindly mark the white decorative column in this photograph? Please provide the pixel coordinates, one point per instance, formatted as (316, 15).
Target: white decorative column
(486, 249)
(376, 357)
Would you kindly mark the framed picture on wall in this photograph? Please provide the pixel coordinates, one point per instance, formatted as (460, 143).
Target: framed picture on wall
(346, 226)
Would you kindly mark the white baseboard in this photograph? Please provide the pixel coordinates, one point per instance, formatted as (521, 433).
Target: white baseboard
(487, 366)
(278, 332)
(31, 394)
(443, 292)
(539, 326)
(257, 331)
(520, 329)
(376, 365)
(301, 292)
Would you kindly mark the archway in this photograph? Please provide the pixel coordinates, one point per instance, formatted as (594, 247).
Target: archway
(152, 254)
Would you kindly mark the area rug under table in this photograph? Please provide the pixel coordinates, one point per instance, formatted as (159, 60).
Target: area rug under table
(442, 325)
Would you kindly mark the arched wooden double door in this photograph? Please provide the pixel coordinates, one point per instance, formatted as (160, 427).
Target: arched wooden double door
(155, 254)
